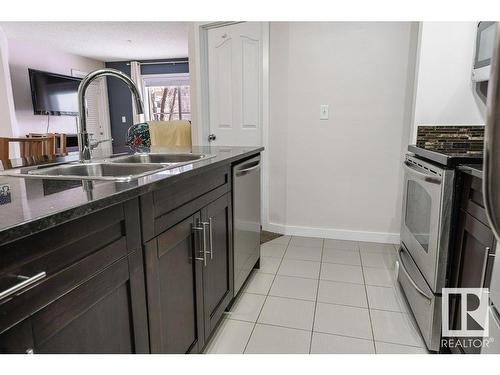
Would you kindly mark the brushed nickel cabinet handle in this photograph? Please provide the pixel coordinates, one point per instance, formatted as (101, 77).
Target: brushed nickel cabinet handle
(211, 236)
(201, 229)
(210, 247)
(27, 281)
(487, 259)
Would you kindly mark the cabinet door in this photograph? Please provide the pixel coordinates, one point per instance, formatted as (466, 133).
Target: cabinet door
(18, 339)
(101, 315)
(476, 243)
(218, 272)
(174, 288)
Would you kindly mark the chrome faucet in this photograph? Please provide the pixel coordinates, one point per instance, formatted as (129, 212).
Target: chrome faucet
(83, 137)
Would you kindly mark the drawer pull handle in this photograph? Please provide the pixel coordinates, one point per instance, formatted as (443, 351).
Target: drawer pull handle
(27, 281)
(208, 224)
(412, 282)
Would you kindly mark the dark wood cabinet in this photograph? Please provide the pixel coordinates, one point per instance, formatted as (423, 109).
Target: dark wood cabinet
(474, 243)
(474, 246)
(17, 339)
(96, 304)
(218, 273)
(96, 317)
(189, 278)
(174, 284)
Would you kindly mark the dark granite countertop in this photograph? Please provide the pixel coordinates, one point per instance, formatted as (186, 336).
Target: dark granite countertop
(445, 158)
(30, 205)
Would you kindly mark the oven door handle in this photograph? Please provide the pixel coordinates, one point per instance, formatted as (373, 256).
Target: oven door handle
(407, 274)
(422, 175)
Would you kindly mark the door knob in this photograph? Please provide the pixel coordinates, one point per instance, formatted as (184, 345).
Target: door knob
(211, 137)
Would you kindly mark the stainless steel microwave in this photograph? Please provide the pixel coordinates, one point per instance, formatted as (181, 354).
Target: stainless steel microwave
(485, 39)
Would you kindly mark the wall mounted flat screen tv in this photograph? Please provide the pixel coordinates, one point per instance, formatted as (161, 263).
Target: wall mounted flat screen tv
(54, 94)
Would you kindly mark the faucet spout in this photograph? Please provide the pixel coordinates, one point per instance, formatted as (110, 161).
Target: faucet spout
(83, 137)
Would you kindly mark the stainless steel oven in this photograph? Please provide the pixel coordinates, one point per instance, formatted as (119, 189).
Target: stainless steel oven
(425, 238)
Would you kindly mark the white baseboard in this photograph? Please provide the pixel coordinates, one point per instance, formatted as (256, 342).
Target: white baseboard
(337, 234)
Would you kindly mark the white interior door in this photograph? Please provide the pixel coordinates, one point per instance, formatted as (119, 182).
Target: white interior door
(235, 80)
(98, 124)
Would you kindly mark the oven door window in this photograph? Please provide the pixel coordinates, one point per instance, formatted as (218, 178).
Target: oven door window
(418, 213)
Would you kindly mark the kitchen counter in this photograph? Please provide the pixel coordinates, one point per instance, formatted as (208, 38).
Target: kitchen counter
(29, 205)
(447, 158)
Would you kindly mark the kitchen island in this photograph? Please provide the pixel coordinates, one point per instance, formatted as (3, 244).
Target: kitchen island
(118, 267)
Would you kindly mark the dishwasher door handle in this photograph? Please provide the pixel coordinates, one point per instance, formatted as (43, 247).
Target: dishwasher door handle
(249, 167)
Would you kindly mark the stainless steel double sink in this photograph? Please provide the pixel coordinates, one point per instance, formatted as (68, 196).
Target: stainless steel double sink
(120, 168)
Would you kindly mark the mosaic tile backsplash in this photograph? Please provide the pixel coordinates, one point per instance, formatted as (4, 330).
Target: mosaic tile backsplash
(457, 139)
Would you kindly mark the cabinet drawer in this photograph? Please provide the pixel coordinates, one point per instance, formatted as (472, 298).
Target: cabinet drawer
(476, 243)
(54, 249)
(54, 286)
(99, 304)
(165, 207)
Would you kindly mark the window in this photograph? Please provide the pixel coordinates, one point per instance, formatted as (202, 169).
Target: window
(167, 97)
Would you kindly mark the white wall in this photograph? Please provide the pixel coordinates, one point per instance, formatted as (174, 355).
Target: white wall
(339, 178)
(24, 55)
(444, 91)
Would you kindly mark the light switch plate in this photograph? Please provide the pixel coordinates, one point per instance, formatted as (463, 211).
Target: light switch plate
(124, 119)
(323, 112)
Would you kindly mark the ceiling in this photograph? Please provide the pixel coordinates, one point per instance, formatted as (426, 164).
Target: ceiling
(106, 41)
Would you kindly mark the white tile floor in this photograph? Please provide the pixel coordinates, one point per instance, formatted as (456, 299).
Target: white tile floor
(320, 296)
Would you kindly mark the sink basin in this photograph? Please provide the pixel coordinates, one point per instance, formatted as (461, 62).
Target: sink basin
(96, 171)
(160, 158)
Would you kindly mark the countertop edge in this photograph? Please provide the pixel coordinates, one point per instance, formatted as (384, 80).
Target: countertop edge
(27, 228)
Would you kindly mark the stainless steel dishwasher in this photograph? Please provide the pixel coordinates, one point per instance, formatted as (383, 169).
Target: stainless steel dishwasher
(246, 218)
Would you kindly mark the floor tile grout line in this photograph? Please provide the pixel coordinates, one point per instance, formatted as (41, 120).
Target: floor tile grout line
(303, 260)
(267, 295)
(324, 302)
(367, 300)
(292, 298)
(397, 343)
(346, 336)
(343, 282)
(280, 326)
(317, 292)
(327, 333)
